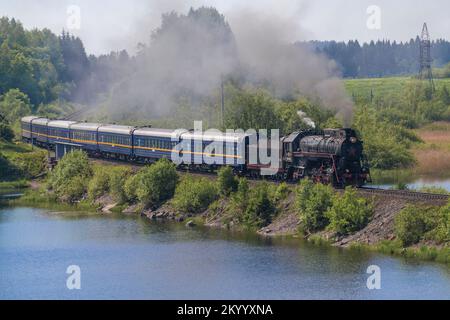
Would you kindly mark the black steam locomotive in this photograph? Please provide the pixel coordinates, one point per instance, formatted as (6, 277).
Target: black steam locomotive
(331, 156)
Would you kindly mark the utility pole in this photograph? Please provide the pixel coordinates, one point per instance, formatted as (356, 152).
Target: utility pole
(222, 102)
(425, 72)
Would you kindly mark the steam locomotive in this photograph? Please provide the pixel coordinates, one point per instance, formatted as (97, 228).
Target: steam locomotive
(331, 156)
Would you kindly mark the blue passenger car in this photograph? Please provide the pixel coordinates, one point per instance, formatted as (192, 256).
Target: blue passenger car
(85, 135)
(215, 149)
(152, 144)
(25, 125)
(40, 130)
(58, 131)
(115, 140)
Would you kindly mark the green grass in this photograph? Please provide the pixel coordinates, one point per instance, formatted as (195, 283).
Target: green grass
(42, 199)
(9, 148)
(394, 248)
(382, 86)
(17, 184)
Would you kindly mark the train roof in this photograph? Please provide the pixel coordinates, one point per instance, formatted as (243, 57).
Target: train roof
(41, 121)
(156, 132)
(212, 136)
(88, 126)
(64, 124)
(113, 128)
(28, 119)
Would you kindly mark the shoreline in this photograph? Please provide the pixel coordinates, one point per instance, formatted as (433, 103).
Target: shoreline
(377, 235)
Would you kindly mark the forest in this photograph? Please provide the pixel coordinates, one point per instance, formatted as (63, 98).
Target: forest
(52, 75)
(381, 58)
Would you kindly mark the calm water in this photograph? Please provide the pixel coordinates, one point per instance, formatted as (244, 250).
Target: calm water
(129, 257)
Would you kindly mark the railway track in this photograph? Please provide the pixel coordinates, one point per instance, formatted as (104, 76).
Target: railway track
(403, 194)
(406, 194)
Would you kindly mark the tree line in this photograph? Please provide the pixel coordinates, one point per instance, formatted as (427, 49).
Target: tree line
(380, 58)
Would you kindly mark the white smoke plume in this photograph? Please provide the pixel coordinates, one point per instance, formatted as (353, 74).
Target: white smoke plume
(192, 55)
(308, 121)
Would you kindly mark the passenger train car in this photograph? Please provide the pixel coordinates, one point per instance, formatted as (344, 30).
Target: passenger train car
(333, 156)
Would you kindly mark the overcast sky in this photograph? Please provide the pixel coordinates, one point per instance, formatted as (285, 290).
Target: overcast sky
(106, 25)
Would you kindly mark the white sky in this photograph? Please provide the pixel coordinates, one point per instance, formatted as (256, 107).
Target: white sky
(107, 25)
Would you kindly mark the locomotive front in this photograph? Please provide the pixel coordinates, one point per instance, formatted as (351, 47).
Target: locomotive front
(330, 156)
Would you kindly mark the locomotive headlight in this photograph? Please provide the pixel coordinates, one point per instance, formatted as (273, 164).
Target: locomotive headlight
(353, 139)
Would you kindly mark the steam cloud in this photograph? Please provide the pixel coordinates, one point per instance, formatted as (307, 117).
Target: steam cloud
(190, 54)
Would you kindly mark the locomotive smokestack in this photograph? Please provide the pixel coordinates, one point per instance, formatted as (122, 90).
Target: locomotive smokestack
(308, 121)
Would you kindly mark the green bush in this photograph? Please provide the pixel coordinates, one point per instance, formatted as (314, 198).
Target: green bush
(7, 169)
(99, 184)
(30, 164)
(349, 213)
(414, 224)
(281, 192)
(260, 208)
(443, 228)
(74, 189)
(6, 133)
(157, 182)
(239, 199)
(226, 181)
(194, 194)
(70, 177)
(313, 201)
(130, 187)
(410, 225)
(117, 178)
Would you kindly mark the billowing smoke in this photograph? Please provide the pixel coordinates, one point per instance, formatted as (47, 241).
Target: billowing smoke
(189, 54)
(308, 121)
(266, 49)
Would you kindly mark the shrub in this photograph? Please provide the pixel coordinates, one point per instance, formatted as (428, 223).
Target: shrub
(74, 189)
(130, 187)
(313, 201)
(117, 178)
(99, 184)
(414, 223)
(70, 177)
(260, 208)
(239, 200)
(281, 192)
(6, 133)
(157, 182)
(226, 181)
(410, 225)
(30, 164)
(7, 169)
(348, 212)
(443, 229)
(194, 195)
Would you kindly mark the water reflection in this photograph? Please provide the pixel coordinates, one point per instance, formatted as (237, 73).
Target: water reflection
(132, 257)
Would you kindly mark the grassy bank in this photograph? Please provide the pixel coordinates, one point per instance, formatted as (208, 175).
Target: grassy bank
(420, 252)
(20, 163)
(40, 198)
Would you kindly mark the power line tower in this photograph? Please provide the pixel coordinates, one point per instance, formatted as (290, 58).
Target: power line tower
(425, 72)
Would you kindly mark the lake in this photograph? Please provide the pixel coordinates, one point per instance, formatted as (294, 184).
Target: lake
(124, 257)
